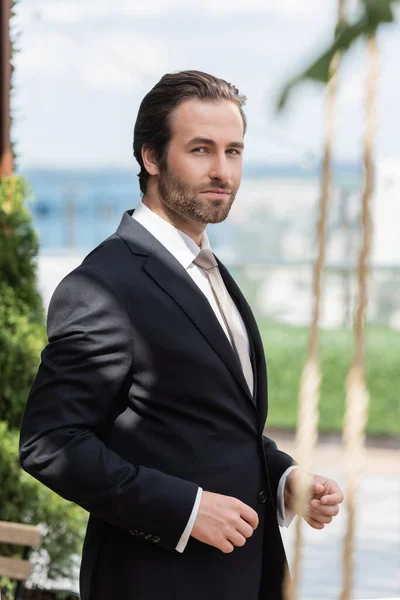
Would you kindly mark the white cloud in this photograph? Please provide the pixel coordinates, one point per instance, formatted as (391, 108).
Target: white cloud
(351, 90)
(114, 58)
(287, 8)
(110, 64)
(67, 12)
(88, 58)
(72, 11)
(43, 57)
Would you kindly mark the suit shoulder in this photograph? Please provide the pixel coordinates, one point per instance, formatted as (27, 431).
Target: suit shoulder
(106, 256)
(86, 299)
(95, 271)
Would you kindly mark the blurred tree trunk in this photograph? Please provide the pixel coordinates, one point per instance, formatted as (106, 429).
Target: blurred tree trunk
(6, 153)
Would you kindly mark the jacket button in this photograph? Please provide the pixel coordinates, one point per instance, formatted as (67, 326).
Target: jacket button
(148, 537)
(134, 532)
(262, 496)
(156, 539)
(141, 535)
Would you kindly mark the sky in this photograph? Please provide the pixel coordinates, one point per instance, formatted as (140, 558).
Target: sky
(83, 67)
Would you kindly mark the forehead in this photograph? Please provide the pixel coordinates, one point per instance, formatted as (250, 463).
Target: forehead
(204, 118)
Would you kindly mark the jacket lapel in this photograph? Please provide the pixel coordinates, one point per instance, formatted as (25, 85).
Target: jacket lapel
(169, 274)
(256, 345)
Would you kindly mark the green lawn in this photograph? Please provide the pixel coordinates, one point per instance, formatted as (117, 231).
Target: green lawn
(285, 348)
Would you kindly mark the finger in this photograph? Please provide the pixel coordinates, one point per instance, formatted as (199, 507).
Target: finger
(315, 524)
(317, 516)
(331, 511)
(249, 515)
(226, 547)
(332, 499)
(236, 538)
(317, 488)
(245, 529)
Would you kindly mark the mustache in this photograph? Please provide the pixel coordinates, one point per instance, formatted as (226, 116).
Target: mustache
(216, 186)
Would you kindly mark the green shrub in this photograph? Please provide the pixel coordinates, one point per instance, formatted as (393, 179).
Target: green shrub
(22, 336)
(22, 333)
(285, 349)
(25, 500)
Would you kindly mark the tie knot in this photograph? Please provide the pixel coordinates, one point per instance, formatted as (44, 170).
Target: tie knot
(205, 259)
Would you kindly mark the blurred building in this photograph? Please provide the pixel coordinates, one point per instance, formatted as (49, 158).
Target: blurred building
(269, 239)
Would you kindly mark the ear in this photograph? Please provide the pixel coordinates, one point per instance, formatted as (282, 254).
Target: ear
(149, 161)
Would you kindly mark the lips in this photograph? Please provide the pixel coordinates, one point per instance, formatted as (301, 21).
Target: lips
(217, 195)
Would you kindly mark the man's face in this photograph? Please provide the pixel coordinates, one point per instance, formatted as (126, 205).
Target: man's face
(200, 174)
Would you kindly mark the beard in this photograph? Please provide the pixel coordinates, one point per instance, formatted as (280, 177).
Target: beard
(185, 199)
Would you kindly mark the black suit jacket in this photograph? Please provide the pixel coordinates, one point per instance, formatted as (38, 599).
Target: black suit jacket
(139, 400)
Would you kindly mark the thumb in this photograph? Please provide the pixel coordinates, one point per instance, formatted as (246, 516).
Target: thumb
(317, 488)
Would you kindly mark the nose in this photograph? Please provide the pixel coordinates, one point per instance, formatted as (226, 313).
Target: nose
(220, 169)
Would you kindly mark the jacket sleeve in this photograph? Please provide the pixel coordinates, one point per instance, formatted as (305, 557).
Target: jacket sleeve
(87, 361)
(277, 462)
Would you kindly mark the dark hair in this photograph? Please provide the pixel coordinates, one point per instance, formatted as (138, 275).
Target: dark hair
(152, 123)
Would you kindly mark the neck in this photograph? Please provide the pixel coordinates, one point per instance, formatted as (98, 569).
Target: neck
(193, 229)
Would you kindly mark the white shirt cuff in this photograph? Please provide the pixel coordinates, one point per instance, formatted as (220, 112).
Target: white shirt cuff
(285, 516)
(188, 529)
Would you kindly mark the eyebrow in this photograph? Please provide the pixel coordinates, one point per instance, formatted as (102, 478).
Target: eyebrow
(209, 142)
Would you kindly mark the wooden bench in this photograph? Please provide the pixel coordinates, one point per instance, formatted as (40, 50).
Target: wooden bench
(20, 535)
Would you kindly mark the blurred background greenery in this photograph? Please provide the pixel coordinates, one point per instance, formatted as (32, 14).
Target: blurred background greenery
(22, 337)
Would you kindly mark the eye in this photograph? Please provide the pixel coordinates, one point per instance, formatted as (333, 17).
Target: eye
(197, 150)
(233, 150)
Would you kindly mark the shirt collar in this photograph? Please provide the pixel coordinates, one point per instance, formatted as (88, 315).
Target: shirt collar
(179, 244)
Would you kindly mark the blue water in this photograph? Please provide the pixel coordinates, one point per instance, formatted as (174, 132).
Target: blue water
(77, 209)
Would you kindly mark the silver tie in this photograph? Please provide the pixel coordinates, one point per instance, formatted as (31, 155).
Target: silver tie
(207, 261)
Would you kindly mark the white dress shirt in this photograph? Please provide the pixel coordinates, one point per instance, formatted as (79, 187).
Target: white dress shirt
(185, 250)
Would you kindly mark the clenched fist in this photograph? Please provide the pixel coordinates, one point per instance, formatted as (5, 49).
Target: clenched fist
(325, 496)
(223, 522)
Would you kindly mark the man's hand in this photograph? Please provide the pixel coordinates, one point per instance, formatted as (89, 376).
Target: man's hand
(223, 522)
(324, 500)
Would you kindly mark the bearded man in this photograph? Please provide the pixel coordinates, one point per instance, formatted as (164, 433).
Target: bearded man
(150, 401)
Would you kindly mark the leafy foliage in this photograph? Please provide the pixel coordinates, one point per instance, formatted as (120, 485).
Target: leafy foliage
(21, 312)
(374, 14)
(285, 349)
(22, 336)
(25, 500)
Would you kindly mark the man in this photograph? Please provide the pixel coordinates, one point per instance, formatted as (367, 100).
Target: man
(149, 404)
